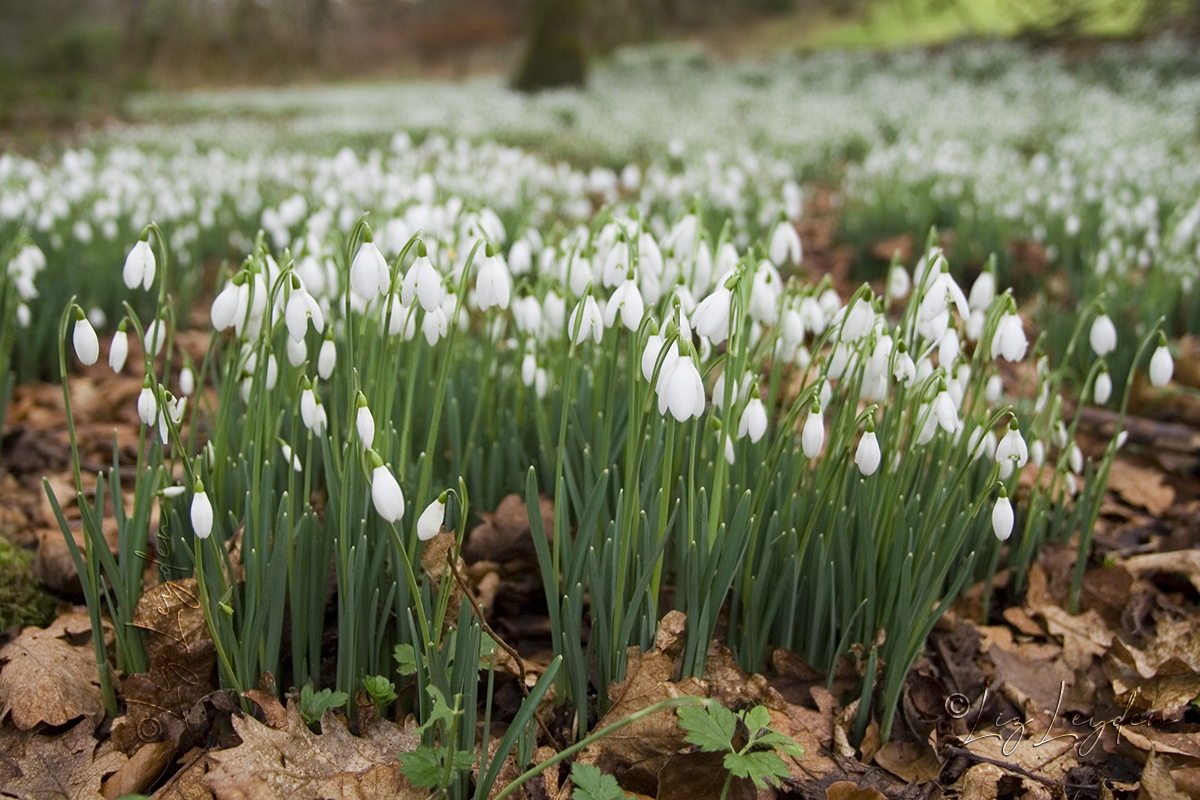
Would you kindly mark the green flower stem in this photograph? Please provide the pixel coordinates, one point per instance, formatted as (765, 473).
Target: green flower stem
(89, 571)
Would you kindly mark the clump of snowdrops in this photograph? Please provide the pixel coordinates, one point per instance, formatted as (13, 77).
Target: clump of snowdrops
(714, 436)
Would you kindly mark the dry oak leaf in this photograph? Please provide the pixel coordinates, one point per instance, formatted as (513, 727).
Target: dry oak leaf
(64, 766)
(299, 765)
(909, 761)
(1184, 562)
(188, 783)
(48, 679)
(1156, 782)
(636, 753)
(1141, 486)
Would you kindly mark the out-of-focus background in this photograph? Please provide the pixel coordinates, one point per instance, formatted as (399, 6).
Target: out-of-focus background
(67, 61)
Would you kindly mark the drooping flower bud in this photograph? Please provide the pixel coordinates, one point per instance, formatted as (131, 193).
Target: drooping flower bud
(429, 524)
(202, 512)
(1002, 516)
(1162, 367)
(1103, 336)
(87, 346)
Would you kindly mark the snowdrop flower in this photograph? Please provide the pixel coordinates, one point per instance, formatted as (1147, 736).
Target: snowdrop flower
(765, 292)
(785, 245)
(202, 512)
(858, 319)
(520, 257)
(943, 288)
(813, 316)
(290, 456)
(904, 370)
(587, 316)
(541, 383)
(139, 266)
(527, 314)
(711, 318)
(1102, 389)
(435, 325)
(1162, 367)
(528, 369)
(87, 346)
(326, 359)
(301, 307)
(1037, 453)
(429, 524)
(718, 392)
(423, 282)
(369, 274)
(1002, 516)
(993, 389)
(867, 456)
(297, 351)
(1009, 341)
(312, 412)
(812, 438)
(1103, 336)
(155, 338)
(948, 348)
(975, 324)
(791, 326)
(385, 491)
(627, 300)
(365, 423)
(944, 409)
(983, 291)
(187, 382)
(615, 265)
(754, 419)
(1075, 459)
(681, 390)
(225, 306)
(118, 351)
(147, 405)
(1011, 451)
(493, 284)
(899, 283)
(654, 345)
(730, 455)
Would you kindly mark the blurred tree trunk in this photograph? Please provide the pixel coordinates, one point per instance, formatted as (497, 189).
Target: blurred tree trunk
(554, 51)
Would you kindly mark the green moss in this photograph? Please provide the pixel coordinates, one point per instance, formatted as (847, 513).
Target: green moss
(23, 599)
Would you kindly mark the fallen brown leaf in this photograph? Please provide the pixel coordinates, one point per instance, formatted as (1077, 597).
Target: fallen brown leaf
(1157, 783)
(700, 776)
(64, 766)
(638, 752)
(143, 769)
(1183, 562)
(48, 679)
(849, 790)
(189, 782)
(908, 761)
(181, 671)
(299, 765)
(1141, 486)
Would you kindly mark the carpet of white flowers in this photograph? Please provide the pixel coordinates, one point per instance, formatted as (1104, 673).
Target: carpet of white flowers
(612, 310)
